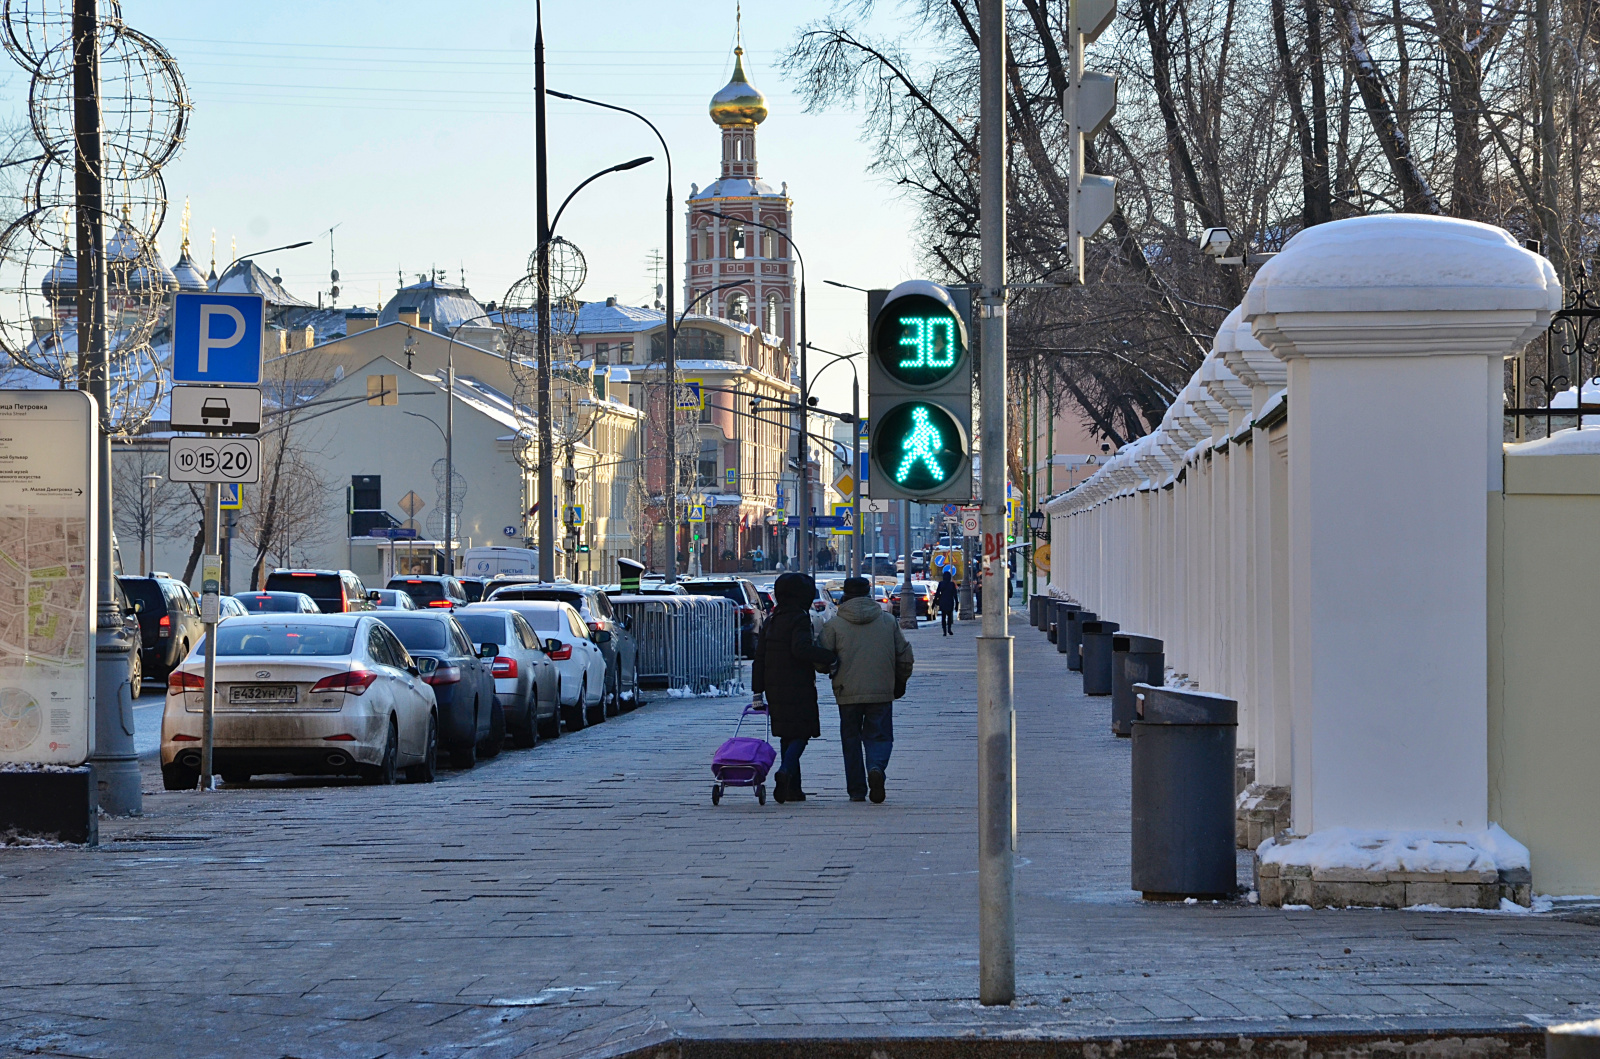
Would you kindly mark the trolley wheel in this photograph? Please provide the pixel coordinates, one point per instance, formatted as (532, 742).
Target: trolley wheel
(716, 793)
(761, 793)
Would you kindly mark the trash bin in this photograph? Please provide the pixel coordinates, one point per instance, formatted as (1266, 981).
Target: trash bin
(1036, 610)
(1075, 622)
(1135, 659)
(1183, 836)
(1064, 611)
(1097, 656)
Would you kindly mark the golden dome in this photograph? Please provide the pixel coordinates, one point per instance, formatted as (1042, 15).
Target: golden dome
(740, 103)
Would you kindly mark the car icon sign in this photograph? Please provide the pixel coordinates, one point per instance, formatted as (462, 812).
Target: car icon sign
(214, 408)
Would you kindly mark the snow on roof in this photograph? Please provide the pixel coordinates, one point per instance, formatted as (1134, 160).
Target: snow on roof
(735, 188)
(600, 318)
(447, 306)
(245, 277)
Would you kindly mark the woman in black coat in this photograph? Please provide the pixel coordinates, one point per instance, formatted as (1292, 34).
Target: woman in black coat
(784, 672)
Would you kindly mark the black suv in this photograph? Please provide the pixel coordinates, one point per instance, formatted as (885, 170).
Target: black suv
(169, 621)
(432, 590)
(336, 591)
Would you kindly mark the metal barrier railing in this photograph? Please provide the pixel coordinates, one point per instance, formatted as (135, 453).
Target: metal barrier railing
(687, 642)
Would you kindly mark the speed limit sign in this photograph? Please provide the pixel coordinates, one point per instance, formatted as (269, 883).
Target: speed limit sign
(970, 525)
(214, 460)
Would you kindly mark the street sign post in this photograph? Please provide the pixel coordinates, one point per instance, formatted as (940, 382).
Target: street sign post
(230, 409)
(214, 460)
(216, 338)
(47, 567)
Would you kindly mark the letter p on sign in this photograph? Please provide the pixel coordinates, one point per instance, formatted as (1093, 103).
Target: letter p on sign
(216, 338)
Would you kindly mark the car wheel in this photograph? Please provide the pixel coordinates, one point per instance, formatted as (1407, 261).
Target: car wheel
(176, 777)
(383, 773)
(551, 728)
(428, 768)
(575, 715)
(135, 676)
(597, 713)
(614, 700)
(464, 757)
(526, 735)
(495, 741)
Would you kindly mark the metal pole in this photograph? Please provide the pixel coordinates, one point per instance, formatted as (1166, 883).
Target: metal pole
(997, 949)
(116, 766)
(855, 471)
(547, 521)
(672, 393)
(908, 602)
(450, 458)
(208, 613)
(805, 446)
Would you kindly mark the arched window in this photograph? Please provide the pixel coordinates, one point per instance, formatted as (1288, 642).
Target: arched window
(739, 306)
(769, 245)
(736, 241)
(772, 319)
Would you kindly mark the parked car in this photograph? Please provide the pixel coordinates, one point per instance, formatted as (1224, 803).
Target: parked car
(306, 694)
(492, 559)
(278, 603)
(744, 595)
(621, 686)
(576, 651)
(130, 629)
(881, 594)
(922, 591)
(768, 604)
(391, 599)
(474, 587)
(336, 591)
(169, 621)
(646, 588)
(230, 607)
(822, 610)
(461, 675)
(527, 685)
(432, 590)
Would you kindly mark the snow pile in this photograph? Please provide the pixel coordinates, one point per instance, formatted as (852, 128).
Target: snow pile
(28, 766)
(1568, 442)
(1577, 1029)
(1396, 851)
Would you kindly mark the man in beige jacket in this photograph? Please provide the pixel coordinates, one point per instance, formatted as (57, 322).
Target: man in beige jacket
(874, 664)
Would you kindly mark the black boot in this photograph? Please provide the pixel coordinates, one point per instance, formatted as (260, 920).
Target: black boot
(795, 793)
(780, 786)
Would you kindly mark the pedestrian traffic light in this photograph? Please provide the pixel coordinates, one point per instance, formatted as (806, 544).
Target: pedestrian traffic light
(1091, 98)
(919, 393)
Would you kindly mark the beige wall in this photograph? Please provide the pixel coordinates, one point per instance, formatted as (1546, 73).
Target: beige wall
(1544, 699)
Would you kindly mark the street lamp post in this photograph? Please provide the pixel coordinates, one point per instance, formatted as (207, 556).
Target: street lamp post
(804, 472)
(855, 448)
(672, 329)
(150, 523)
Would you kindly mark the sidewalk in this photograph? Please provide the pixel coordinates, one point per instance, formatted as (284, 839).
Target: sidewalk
(585, 897)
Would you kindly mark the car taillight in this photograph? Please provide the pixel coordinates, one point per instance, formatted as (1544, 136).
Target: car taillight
(563, 654)
(595, 626)
(165, 625)
(178, 680)
(505, 667)
(443, 675)
(353, 682)
(342, 737)
(438, 603)
(181, 738)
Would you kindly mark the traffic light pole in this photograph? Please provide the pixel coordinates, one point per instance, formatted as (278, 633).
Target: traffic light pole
(996, 734)
(855, 472)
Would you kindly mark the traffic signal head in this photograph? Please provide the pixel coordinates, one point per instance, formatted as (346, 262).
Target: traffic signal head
(919, 395)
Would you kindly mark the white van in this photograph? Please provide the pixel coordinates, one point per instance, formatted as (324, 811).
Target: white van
(490, 561)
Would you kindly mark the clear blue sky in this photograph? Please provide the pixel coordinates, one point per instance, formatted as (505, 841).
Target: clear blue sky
(410, 125)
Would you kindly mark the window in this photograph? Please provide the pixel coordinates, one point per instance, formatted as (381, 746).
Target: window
(366, 491)
(525, 633)
(575, 623)
(383, 389)
(694, 343)
(602, 354)
(625, 353)
(769, 245)
(739, 306)
(708, 464)
(736, 241)
(772, 322)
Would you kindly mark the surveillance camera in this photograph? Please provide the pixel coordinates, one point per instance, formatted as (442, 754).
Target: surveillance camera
(1215, 242)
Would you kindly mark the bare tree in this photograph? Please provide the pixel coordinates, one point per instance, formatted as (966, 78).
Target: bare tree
(143, 514)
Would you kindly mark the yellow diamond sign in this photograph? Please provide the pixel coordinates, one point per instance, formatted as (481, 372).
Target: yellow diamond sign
(845, 485)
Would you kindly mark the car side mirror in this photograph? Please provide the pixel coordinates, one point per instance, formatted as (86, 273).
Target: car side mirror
(602, 636)
(138, 605)
(552, 645)
(425, 666)
(488, 650)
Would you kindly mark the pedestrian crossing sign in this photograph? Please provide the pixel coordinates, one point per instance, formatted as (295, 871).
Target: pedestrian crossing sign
(231, 495)
(846, 514)
(697, 513)
(691, 395)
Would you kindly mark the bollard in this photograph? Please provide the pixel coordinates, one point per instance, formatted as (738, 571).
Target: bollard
(1064, 611)
(1097, 656)
(1573, 1040)
(1075, 622)
(1183, 825)
(1135, 659)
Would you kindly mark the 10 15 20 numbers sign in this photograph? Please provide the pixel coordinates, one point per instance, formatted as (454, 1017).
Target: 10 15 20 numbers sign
(214, 460)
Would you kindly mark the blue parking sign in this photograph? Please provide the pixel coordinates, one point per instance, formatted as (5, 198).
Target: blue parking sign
(216, 338)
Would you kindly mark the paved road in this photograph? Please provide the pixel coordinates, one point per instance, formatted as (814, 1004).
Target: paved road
(585, 896)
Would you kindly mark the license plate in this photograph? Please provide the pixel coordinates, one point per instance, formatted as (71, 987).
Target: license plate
(260, 694)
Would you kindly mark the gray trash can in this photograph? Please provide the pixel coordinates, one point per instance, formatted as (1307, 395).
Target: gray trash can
(1064, 611)
(1135, 659)
(1183, 836)
(1097, 656)
(1075, 622)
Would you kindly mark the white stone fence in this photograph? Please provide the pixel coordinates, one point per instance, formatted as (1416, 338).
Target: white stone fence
(1315, 530)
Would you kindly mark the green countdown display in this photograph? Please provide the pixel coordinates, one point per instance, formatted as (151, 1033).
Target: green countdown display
(919, 341)
(919, 446)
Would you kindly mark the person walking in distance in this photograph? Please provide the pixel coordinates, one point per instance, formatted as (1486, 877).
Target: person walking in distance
(784, 677)
(944, 597)
(874, 664)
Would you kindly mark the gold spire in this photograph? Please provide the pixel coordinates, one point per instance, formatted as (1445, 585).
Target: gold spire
(740, 102)
(183, 225)
(213, 251)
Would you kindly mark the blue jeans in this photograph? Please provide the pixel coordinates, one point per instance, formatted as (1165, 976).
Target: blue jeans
(790, 750)
(866, 731)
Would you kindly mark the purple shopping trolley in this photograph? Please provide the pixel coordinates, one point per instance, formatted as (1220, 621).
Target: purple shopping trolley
(743, 761)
